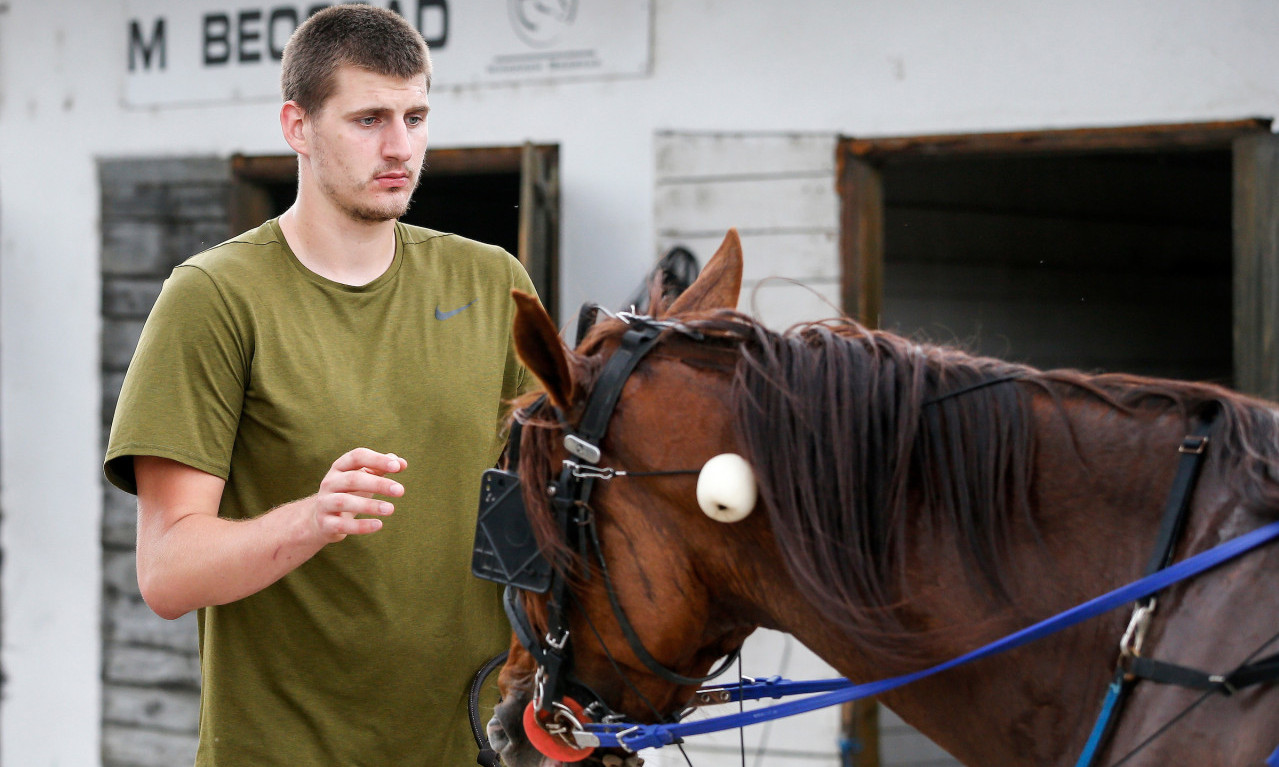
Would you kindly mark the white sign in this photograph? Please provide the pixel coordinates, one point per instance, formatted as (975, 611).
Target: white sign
(220, 50)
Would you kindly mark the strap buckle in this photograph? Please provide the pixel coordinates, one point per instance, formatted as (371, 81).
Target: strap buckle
(1193, 444)
(1135, 635)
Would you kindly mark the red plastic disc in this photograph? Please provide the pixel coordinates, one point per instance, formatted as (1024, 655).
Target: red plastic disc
(553, 745)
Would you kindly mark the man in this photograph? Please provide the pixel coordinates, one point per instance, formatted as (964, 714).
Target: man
(294, 387)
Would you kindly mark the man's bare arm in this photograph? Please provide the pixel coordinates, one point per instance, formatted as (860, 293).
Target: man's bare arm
(189, 557)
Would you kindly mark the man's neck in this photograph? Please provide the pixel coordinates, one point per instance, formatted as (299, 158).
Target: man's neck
(337, 247)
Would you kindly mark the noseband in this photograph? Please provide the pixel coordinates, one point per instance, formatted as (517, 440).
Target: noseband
(506, 551)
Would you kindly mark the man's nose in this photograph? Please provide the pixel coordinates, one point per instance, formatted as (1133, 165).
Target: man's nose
(395, 142)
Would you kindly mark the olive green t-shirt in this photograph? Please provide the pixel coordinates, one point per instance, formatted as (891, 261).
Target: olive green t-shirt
(259, 371)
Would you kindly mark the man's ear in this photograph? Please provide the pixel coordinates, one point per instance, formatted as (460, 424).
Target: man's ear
(293, 125)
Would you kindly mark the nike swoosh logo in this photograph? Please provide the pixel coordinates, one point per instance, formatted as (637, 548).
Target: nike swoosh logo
(439, 315)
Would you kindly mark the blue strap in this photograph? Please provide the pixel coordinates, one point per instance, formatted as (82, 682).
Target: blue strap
(1103, 720)
(635, 737)
(1273, 761)
(769, 687)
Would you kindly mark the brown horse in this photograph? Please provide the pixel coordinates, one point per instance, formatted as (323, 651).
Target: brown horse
(915, 502)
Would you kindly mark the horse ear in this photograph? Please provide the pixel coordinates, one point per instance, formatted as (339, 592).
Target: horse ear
(538, 343)
(719, 284)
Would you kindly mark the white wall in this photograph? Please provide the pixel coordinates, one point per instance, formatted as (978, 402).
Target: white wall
(856, 67)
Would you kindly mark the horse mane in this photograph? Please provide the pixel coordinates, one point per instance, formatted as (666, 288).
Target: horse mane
(861, 439)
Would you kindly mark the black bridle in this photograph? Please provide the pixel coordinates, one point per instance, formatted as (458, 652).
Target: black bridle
(506, 551)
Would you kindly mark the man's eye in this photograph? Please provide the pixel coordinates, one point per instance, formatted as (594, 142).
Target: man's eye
(368, 120)
(415, 119)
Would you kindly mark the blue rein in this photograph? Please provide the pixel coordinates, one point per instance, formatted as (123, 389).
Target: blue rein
(633, 737)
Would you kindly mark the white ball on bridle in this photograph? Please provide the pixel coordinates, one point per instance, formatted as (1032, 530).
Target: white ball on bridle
(726, 488)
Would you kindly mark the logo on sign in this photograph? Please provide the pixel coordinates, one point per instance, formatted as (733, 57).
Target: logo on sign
(541, 22)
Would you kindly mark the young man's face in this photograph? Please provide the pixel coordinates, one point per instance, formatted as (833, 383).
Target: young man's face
(368, 142)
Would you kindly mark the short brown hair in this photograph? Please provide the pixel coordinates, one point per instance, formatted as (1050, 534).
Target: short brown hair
(359, 35)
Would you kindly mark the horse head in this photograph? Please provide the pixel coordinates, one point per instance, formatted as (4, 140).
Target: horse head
(647, 521)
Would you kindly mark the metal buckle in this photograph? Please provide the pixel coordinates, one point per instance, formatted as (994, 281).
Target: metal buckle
(1193, 445)
(557, 726)
(557, 644)
(621, 743)
(1222, 681)
(1135, 635)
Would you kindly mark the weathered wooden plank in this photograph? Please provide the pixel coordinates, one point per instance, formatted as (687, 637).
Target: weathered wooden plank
(718, 155)
(111, 383)
(1256, 258)
(119, 340)
(164, 170)
(119, 572)
(132, 247)
(1123, 138)
(861, 239)
(154, 708)
(128, 621)
(752, 206)
(119, 517)
(129, 297)
(149, 666)
(125, 746)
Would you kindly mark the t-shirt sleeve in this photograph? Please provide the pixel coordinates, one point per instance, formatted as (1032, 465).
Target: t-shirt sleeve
(183, 392)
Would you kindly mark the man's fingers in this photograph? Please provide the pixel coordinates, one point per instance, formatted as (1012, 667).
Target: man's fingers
(338, 526)
(347, 503)
(364, 458)
(360, 482)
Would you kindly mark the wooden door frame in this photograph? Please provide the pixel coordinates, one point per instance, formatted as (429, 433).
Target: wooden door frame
(859, 164)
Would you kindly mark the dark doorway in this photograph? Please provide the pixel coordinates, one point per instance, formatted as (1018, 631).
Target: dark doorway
(1100, 249)
(1114, 261)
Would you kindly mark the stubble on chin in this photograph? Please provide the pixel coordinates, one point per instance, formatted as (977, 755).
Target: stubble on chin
(389, 210)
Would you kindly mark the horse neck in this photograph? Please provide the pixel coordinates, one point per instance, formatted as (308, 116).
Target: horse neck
(1098, 485)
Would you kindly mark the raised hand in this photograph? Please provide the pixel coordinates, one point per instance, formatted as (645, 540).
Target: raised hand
(347, 490)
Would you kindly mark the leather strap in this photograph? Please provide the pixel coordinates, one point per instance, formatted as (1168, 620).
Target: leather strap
(636, 342)
(1257, 672)
(1193, 450)
(633, 638)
